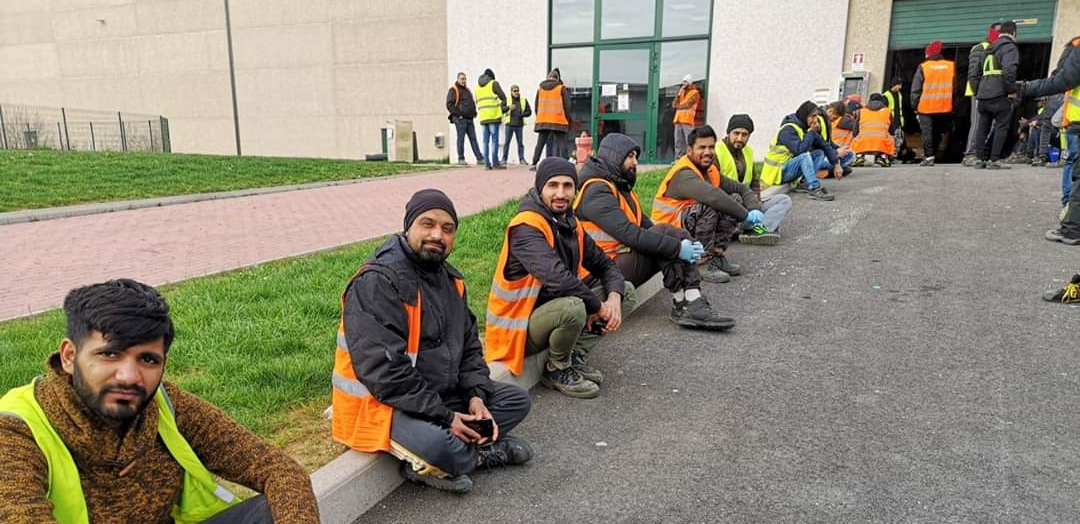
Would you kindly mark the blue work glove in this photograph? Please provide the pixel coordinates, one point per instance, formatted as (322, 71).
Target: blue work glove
(690, 252)
(754, 217)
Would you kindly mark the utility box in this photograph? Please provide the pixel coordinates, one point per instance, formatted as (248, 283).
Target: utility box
(402, 148)
(854, 82)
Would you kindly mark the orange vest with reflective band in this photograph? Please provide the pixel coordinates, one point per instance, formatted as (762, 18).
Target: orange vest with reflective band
(840, 136)
(937, 92)
(688, 115)
(874, 134)
(668, 210)
(360, 421)
(1071, 113)
(511, 302)
(607, 242)
(549, 106)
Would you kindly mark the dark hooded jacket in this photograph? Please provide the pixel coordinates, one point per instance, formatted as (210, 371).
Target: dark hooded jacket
(460, 102)
(530, 254)
(550, 84)
(1065, 78)
(450, 362)
(810, 141)
(876, 103)
(489, 76)
(519, 109)
(601, 207)
(1007, 59)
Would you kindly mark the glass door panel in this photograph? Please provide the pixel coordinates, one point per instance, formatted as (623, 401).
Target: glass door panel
(677, 59)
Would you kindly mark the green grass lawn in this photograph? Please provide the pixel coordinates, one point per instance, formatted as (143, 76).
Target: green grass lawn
(259, 342)
(44, 178)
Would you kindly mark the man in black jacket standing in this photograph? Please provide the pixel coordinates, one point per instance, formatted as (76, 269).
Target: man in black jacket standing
(995, 89)
(611, 212)
(428, 365)
(462, 108)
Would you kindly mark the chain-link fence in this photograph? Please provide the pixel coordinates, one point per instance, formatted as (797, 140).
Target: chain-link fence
(33, 127)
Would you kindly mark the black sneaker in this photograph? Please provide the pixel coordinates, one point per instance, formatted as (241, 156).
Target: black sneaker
(1056, 235)
(699, 315)
(860, 161)
(759, 235)
(507, 451)
(970, 161)
(711, 273)
(881, 161)
(996, 164)
(569, 382)
(720, 262)
(819, 193)
(927, 162)
(578, 362)
(847, 170)
(1070, 294)
(458, 484)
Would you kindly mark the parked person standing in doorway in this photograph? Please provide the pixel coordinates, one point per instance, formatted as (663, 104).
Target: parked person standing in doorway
(995, 89)
(932, 92)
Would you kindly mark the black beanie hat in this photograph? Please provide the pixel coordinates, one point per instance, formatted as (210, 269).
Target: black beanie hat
(742, 121)
(426, 200)
(551, 167)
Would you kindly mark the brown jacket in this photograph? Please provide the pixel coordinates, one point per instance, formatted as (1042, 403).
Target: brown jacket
(145, 493)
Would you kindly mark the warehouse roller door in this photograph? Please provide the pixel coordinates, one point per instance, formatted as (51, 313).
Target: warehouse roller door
(918, 22)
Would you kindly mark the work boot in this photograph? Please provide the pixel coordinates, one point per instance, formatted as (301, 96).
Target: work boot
(1038, 162)
(1018, 159)
(980, 164)
(1055, 235)
(462, 162)
(970, 160)
(720, 262)
(699, 315)
(996, 164)
(507, 451)
(927, 162)
(710, 273)
(819, 193)
(1070, 294)
(569, 382)
(579, 361)
(759, 236)
(860, 161)
(458, 484)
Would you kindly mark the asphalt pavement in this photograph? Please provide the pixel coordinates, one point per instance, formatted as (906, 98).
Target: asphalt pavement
(892, 363)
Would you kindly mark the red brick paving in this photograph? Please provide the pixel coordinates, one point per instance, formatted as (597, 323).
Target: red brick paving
(41, 261)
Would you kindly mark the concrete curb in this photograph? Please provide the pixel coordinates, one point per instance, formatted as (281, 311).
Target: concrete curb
(52, 213)
(354, 482)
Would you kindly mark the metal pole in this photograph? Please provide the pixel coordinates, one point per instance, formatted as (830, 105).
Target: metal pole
(123, 136)
(93, 144)
(3, 129)
(63, 114)
(60, 135)
(232, 77)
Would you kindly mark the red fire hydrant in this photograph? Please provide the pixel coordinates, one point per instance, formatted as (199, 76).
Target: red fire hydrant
(584, 148)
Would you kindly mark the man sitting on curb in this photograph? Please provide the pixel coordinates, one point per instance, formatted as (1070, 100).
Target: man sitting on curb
(694, 196)
(798, 151)
(544, 293)
(611, 214)
(409, 372)
(102, 438)
(735, 160)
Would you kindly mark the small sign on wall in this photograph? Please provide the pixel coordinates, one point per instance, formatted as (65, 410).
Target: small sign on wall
(858, 62)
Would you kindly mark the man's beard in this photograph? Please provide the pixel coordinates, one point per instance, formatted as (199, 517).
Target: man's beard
(431, 256)
(96, 403)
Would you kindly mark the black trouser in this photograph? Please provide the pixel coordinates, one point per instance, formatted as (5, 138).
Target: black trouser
(678, 275)
(1046, 132)
(932, 127)
(513, 132)
(251, 511)
(465, 127)
(1070, 227)
(996, 113)
(554, 141)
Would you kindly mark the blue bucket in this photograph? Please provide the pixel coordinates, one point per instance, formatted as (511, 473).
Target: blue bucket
(1053, 153)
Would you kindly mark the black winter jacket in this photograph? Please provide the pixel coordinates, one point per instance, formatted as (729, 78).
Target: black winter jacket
(1065, 78)
(601, 207)
(530, 254)
(460, 103)
(810, 141)
(1007, 59)
(450, 362)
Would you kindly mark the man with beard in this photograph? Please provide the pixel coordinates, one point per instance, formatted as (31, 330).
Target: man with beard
(409, 373)
(735, 160)
(611, 214)
(553, 288)
(102, 438)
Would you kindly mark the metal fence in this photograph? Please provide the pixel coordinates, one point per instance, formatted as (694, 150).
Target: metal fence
(66, 129)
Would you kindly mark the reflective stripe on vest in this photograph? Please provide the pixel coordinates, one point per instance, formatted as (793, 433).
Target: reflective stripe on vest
(201, 497)
(605, 241)
(968, 91)
(824, 128)
(874, 134)
(840, 136)
(1071, 113)
(894, 102)
(687, 115)
(511, 302)
(729, 168)
(937, 87)
(772, 173)
(510, 108)
(549, 106)
(668, 210)
(359, 420)
(487, 103)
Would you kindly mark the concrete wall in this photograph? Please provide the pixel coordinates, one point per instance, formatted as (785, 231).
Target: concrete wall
(762, 70)
(517, 54)
(1066, 27)
(868, 33)
(315, 78)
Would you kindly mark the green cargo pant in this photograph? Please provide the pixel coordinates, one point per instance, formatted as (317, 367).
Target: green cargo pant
(559, 326)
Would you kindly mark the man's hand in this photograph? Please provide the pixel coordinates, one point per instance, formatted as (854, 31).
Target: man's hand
(843, 150)
(480, 411)
(611, 312)
(815, 125)
(461, 431)
(838, 171)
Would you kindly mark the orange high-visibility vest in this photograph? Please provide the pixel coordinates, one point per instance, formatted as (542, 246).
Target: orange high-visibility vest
(549, 106)
(1071, 113)
(668, 210)
(511, 302)
(687, 116)
(874, 134)
(840, 136)
(605, 241)
(360, 421)
(937, 90)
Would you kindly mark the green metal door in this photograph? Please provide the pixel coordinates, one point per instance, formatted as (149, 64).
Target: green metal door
(916, 23)
(625, 94)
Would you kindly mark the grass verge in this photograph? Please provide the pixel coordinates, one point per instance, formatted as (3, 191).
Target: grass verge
(258, 342)
(43, 178)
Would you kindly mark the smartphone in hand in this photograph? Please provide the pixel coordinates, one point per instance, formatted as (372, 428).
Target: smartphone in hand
(485, 427)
